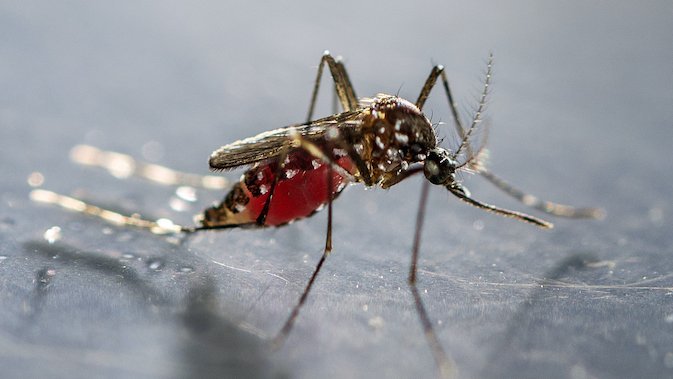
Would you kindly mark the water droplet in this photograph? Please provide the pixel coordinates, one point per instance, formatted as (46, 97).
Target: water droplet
(365, 307)
(52, 234)
(186, 269)
(186, 193)
(177, 204)
(155, 264)
(2, 258)
(128, 256)
(478, 225)
(669, 318)
(35, 179)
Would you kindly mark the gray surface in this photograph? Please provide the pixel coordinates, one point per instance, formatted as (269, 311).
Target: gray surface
(581, 113)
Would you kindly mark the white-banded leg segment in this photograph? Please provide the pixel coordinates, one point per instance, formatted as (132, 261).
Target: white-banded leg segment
(343, 87)
(159, 226)
(124, 166)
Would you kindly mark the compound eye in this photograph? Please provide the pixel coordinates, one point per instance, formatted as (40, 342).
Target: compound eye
(439, 167)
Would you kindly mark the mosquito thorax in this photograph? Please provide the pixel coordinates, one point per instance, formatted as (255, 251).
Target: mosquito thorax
(439, 167)
(395, 134)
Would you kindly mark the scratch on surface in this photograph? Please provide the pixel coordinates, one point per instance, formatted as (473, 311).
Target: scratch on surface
(277, 276)
(248, 271)
(638, 285)
(230, 267)
(650, 280)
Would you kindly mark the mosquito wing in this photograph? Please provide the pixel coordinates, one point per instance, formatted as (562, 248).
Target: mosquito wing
(270, 144)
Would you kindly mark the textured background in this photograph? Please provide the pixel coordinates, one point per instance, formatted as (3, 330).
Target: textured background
(581, 113)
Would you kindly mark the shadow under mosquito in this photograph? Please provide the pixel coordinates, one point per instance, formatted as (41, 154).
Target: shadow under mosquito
(518, 342)
(215, 347)
(209, 344)
(105, 265)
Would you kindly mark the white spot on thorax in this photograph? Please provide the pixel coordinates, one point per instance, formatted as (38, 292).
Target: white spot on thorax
(379, 143)
(401, 138)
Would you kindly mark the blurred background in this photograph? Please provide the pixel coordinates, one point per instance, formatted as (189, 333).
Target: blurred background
(581, 113)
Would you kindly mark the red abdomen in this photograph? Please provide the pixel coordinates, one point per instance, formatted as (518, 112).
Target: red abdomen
(302, 189)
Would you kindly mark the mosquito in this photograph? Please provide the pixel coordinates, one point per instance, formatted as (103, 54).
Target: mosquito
(297, 170)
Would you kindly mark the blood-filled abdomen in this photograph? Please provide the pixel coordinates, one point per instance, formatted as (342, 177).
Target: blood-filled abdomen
(302, 189)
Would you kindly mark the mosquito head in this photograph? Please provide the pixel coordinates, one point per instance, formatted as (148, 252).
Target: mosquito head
(440, 167)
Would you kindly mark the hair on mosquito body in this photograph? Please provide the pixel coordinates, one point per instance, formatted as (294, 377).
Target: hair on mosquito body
(294, 171)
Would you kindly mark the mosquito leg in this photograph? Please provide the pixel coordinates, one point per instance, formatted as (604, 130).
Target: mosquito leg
(319, 153)
(287, 327)
(344, 89)
(122, 166)
(549, 207)
(437, 72)
(392, 180)
(313, 150)
(160, 226)
(347, 85)
(346, 143)
(430, 82)
(462, 194)
(282, 158)
(442, 360)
